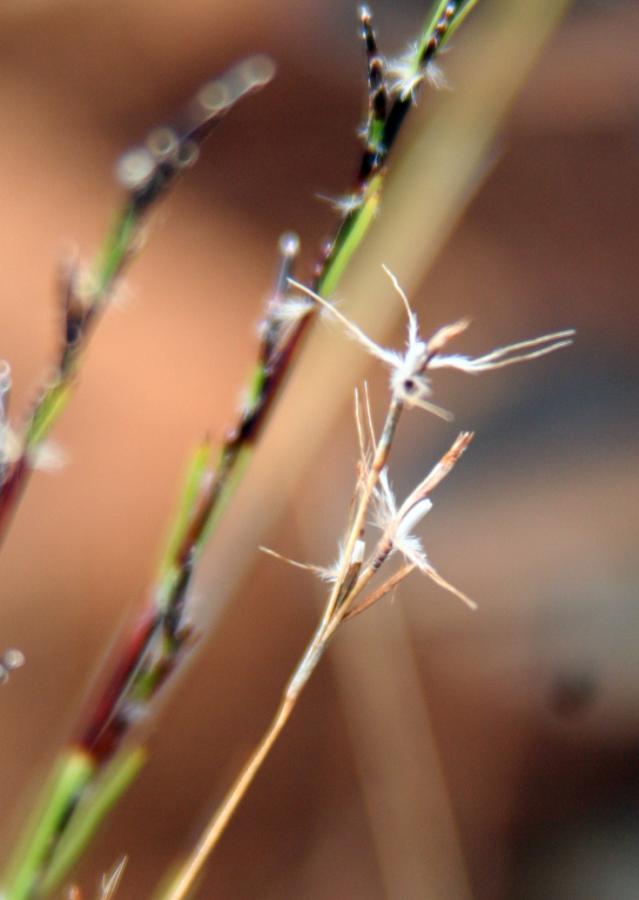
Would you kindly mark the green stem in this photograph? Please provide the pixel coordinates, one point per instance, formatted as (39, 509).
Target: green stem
(349, 238)
(69, 779)
(197, 515)
(89, 815)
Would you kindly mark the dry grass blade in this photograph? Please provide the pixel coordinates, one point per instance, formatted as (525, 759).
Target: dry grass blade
(382, 591)
(439, 471)
(437, 578)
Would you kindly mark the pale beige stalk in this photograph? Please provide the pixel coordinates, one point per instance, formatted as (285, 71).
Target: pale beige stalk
(346, 588)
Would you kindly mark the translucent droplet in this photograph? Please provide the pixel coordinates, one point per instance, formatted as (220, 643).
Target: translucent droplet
(13, 658)
(255, 71)
(213, 97)
(162, 143)
(135, 168)
(248, 74)
(289, 244)
(188, 154)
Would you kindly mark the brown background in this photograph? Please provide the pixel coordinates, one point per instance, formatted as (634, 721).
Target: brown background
(532, 701)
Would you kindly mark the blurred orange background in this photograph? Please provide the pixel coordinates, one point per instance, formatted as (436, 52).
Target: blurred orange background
(436, 753)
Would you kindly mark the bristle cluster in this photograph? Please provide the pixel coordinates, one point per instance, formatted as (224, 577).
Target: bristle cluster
(409, 386)
(409, 380)
(392, 90)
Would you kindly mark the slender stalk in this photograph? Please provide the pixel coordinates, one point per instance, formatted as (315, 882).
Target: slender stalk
(69, 778)
(266, 379)
(353, 576)
(153, 651)
(146, 173)
(194, 865)
(384, 589)
(274, 360)
(528, 38)
(359, 519)
(344, 591)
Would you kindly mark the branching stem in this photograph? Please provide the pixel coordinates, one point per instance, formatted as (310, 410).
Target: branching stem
(347, 586)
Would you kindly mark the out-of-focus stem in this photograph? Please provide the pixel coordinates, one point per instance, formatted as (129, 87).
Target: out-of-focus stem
(37, 864)
(106, 728)
(162, 621)
(70, 777)
(157, 170)
(268, 375)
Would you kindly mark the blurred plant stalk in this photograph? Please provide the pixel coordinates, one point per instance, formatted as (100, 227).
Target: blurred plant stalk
(440, 166)
(355, 570)
(431, 183)
(412, 823)
(93, 773)
(88, 783)
(146, 173)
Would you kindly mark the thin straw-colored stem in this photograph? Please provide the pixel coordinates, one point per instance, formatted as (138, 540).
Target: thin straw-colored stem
(196, 861)
(331, 618)
(527, 29)
(334, 612)
(359, 519)
(193, 866)
(265, 383)
(381, 592)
